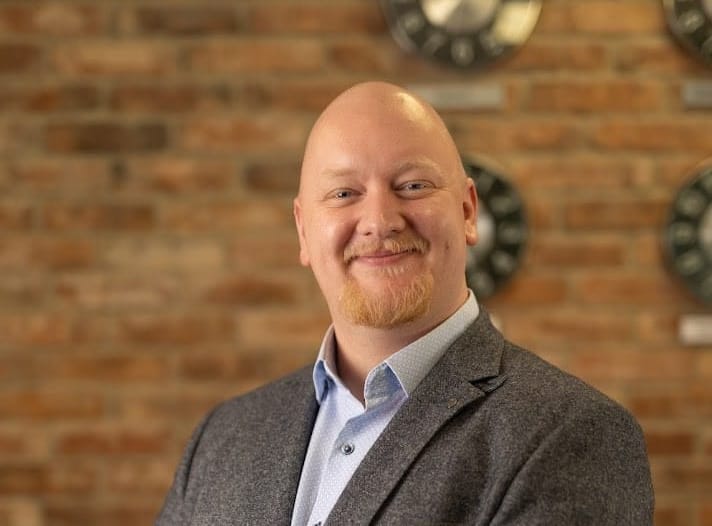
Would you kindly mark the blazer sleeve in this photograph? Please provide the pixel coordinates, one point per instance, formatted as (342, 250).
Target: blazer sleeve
(177, 507)
(592, 469)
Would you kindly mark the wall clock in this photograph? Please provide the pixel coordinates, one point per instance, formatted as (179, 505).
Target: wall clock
(688, 234)
(461, 33)
(691, 22)
(502, 228)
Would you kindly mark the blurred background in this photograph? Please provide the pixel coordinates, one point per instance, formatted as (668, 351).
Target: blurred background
(149, 154)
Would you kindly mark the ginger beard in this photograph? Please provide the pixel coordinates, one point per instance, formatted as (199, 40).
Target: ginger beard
(397, 300)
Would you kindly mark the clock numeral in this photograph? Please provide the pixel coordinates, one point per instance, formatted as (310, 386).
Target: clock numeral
(462, 51)
(489, 43)
(412, 21)
(435, 41)
(690, 21)
(707, 47)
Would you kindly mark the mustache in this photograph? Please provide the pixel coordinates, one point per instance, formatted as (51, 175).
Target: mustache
(404, 243)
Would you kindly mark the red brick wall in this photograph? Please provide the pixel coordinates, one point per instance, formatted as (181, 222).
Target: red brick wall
(149, 152)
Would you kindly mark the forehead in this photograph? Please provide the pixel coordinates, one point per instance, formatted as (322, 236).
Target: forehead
(384, 143)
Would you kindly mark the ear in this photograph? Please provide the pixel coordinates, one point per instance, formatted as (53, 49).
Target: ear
(469, 208)
(298, 219)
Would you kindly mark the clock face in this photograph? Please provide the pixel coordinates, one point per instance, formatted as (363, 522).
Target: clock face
(462, 33)
(502, 229)
(688, 235)
(691, 22)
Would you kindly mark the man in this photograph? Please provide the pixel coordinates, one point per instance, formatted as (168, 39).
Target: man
(417, 410)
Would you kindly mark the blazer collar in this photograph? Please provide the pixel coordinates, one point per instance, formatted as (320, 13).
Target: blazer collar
(467, 371)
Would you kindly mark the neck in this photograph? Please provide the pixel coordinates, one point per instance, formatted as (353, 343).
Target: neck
(359, 349)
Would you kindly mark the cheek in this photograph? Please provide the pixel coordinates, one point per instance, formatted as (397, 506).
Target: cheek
(331, 234)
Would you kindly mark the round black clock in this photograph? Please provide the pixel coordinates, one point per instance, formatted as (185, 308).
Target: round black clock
(691, 22)
(462, 33)
(688, 234)
(502, 229)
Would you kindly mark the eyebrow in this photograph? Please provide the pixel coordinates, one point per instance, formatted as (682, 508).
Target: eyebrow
(418, 163)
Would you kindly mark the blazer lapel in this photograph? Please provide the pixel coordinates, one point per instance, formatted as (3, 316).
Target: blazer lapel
(467, 371)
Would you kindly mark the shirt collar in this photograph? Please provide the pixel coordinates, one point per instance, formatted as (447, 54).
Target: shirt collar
(409, 365)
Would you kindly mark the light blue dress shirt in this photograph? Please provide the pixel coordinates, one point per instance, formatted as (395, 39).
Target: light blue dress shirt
(345, 429)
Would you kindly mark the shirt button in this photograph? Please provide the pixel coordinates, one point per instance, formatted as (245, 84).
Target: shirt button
(347, 448)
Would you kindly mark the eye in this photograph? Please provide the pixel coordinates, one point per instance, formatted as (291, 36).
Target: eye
(415, 188)
(341, 195)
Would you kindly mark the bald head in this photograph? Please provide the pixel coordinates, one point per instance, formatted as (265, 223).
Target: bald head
(372, 109)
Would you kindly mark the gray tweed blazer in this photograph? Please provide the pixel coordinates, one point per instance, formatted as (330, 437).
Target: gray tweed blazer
(492, 436)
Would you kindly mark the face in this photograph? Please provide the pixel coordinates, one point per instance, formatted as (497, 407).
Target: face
(385, 212)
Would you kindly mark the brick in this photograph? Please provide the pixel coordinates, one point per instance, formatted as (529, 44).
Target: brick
(109, 368)
(64, 217)
(657, 136)
(276, 250)
(111, 291)
(243, 134)
(21, 289)
(19, 58)
(16, 216)
(544, 56)
(180, 176)
(298, 95)
(528, 289)
(182, 20)
(256, 56)
(241, 367)
(368, 57)
(72, 478)
(253, 290)
(35, 329)
(316, 17)
(559, 251)
(57, 176)
(618, 214)
(51, 18)
(567, 327)
(47, 405)
(168, 98)
(16, 444)
(237, 215)
(657, 327)
(49, 98)
(624, 289)
(595, 96)
(20, 511)
(672, 514)
(142, 477)
(273, 176)
(666, 442)
(683, 476)
(72, 513)
(107, 137)
(114, 58)
(604, 17)
(62, 254)
(176, 329)
(630, 364)
(112, 440)
(146, 254)
(497, 136)
(692, 401)
(655, 57)
(574, 173)
(297, 330)
(22, 479)
(17, 138)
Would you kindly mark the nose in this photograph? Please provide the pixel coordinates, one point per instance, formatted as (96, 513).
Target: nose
(381, 215)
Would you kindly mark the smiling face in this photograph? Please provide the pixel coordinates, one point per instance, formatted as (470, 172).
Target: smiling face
(385, 211)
